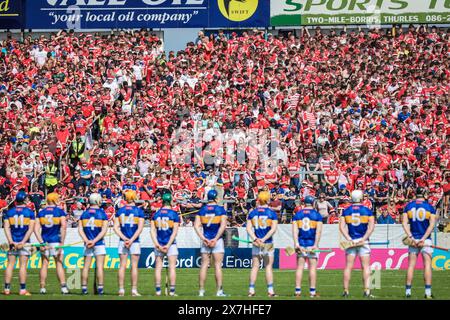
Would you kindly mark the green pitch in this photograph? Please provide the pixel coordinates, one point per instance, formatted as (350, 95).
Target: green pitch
(329, 285)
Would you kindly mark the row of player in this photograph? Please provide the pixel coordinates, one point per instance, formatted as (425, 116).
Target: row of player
(356, 225)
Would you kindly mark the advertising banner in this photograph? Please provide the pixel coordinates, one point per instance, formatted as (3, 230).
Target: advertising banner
(380, 259)
(107, 14)
(441, 260)
(11, 14)
(187, 258)
(366, 12)
(191, 258)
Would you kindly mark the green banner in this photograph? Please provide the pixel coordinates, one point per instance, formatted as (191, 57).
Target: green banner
(358, 12)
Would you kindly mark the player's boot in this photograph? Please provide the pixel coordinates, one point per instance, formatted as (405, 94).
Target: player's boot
(345, 294)
(368, 295)
(201, 293)
(251, 293)
(429, 297)
(407, 296)
(64, 290)
(24, 292)
(158, 293)
(298, 294)
(135, 294)
(172, 294)
(220, 293)
(84, 291)
(7, 292)
(315, 295)
(121, 293)
(272, 295)
(43, 291)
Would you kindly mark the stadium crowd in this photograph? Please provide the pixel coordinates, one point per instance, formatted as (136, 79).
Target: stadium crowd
(318, 114)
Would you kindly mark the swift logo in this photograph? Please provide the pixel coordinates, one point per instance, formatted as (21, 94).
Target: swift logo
(238, 10)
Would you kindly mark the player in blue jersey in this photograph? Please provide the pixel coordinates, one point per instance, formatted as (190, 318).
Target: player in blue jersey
(261, 225)
(18, 227)
(210, 224)
(50, 228)
(92, 227)
(164, 230)
(419, 218)
(128, 225)
(357, 224)
(306, 231)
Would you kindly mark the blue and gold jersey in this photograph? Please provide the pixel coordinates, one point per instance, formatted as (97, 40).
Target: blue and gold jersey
(129, 220)
(306, 221)
(211, 216)
(50, 220)
(19, 220)
(92, 221)
(261, 218)
(419, 213)
(164, 220)
(357, 218)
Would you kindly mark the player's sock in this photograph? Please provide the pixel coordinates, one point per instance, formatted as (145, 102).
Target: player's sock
(270, 288)
(172, 289)
(7, 286)
(428, 290)
(158, 289)
(121, 291)
(408, 290)
(312, 291)
(23, 286)
(100, 289)
(84, 290)
(251, 288)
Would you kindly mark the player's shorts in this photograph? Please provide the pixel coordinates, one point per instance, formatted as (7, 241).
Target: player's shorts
(424, 250)
(173, 251)
(263, 251)
(361, 251)
(51, 251)
(309, 255)
(135, 248)
(94, 251)
(19, 252)
(218, 248)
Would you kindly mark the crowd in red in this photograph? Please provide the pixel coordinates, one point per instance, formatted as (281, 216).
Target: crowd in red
(353, 110)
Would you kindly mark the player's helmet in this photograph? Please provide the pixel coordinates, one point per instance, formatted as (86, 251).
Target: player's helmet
(52, 197)
(309, 200)
(130, 195)
(420, 191)
(212, 195)
(95, 199)
(21, 196)
(264, 197)
(357, 196)
(167, 198)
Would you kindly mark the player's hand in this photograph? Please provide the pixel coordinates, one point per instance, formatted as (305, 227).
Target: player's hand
(159, 247)
(13, 245)
(420, 244)
(128, 243)
(19, 245)
(165, 249)
(313, 248)
(206, 242)
(258, 242)
(90, 244)
(297, 248)
(212, 243)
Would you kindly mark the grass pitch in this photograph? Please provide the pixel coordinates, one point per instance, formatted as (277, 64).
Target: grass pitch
(329, 285)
